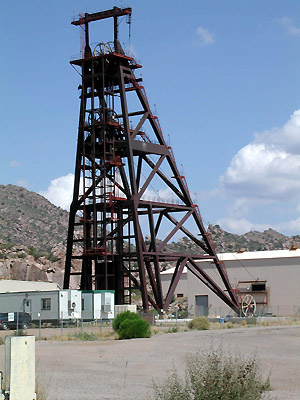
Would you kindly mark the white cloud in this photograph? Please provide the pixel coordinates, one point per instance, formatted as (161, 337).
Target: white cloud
(164, 195)
(264, 174)
(269, 167)
(287, 137)
(205, 37)
(240, 225)
(60, 191)
(288, 24)
(14, 164)
(239, 222)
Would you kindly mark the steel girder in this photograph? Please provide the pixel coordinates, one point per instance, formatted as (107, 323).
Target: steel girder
(117, 163)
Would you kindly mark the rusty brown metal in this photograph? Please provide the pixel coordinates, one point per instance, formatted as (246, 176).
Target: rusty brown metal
(114, 12)
(116, 164)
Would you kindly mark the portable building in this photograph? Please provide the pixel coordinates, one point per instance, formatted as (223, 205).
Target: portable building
(51, 306)
(97, 304)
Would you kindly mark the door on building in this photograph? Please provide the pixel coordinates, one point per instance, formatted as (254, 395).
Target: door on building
(201, 305)
(27, 306)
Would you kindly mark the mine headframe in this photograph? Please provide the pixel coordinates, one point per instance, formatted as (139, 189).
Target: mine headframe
(120, 220)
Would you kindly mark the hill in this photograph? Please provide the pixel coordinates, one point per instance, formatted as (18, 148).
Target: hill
(29, 219)
(33, 235)
(251, 241)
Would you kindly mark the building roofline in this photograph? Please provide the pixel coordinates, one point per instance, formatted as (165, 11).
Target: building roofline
(247, 255)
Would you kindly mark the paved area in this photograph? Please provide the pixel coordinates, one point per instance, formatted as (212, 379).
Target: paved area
(126, 369)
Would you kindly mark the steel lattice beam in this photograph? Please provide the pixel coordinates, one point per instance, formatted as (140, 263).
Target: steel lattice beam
(116, 165)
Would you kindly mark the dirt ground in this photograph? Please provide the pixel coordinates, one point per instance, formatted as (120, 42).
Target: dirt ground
(126, 369)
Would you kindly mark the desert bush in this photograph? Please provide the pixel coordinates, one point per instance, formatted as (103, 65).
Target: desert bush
(21, 255)
(85, 336)
(35, 253)
(130, 325)
(51, 257)
(216, 376)
(172, 329)
(200, 323)
(134, 328)
(121, 317)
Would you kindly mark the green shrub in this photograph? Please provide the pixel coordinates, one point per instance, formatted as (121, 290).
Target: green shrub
(200, 323)
(134, 328)
(35, 253)
(21, 255)
(51, 257)
(121, 317)
(7, 246)
(20, 332)
(215, 376)
(130, 325)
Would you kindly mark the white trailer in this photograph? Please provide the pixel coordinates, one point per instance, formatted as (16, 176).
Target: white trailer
(98, 305)
(49, 306)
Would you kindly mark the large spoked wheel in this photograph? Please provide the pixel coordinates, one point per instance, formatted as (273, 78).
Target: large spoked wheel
(103, 48)
(99, 49)
(248, 306)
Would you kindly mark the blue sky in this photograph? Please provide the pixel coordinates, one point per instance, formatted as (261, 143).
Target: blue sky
(223, 78)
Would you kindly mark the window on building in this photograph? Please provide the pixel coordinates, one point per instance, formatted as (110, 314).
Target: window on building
(82, 304)
(259, 287)
(179, 294)
(46, 304)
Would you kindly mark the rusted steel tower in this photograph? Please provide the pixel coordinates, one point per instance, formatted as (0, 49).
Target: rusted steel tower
(121, 157)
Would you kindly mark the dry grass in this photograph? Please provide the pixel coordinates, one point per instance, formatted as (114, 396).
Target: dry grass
(183, 327)
(41, 389)
(85, 335)
(105, 332)
(215, 374)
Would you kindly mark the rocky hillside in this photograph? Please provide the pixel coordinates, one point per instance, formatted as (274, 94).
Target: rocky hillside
(29, 219)
(33, 236)
(251, 241)
(27, 264)
(226, 242)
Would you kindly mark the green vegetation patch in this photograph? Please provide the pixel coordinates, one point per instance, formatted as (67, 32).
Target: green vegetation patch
(129, 325)
(199, 323)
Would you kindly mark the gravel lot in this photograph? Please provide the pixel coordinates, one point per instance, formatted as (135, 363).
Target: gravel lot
(126, 369)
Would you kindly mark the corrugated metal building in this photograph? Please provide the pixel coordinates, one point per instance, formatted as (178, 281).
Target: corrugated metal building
(271, 277)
